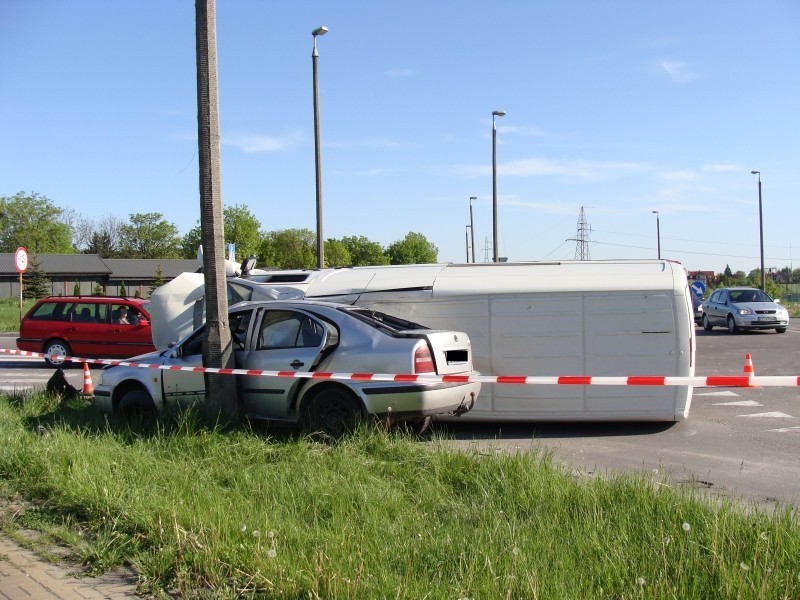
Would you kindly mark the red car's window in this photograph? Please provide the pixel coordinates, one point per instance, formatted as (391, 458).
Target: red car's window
(51, 311)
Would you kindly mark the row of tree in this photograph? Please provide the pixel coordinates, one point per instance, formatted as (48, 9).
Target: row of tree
(35, 222)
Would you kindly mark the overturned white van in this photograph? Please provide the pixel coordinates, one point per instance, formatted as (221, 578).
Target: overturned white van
(595, 318)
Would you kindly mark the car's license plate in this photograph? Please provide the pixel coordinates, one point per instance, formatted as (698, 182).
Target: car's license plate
(766, 319)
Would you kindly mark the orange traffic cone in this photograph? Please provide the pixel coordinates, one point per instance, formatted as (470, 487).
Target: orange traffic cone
(88, 388)
(748, 366)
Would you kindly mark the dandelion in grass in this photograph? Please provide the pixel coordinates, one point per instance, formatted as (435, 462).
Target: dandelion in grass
(256, 533)
(242, 527)
(515, 551)
(641, 581)
(764, 536)
(272, 553)
(686, 527)
(271, 535)
(743, 566)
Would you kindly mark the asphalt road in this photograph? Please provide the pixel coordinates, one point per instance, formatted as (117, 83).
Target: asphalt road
(741, 443)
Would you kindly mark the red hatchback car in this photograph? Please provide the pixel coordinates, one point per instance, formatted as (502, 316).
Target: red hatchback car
(86, 326)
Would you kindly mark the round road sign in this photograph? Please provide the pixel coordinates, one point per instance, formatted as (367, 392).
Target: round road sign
(21, 259)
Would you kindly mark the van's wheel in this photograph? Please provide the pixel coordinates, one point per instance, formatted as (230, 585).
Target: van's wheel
(707, 324)
(333, 411)
(780, 330)
(55, 351)
(135, 403)
(732, 327)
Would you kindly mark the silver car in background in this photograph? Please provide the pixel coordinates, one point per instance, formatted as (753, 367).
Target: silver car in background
(300, 335)
(744, 308)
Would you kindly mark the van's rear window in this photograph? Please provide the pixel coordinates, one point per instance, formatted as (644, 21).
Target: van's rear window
(51, 311)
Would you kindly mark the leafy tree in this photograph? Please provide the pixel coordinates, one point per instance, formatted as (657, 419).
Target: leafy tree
(148, 235)
(242, 229)
(33, 221)
(336, 254)
(35, 283)
(122, 291)
(104, 237)
(191, 242)
(289, 249)
(98, 290)
(158, 280)
(76, 289)
(363, 252)
(414, 249)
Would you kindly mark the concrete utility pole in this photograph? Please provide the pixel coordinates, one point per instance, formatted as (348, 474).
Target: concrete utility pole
(217, 351)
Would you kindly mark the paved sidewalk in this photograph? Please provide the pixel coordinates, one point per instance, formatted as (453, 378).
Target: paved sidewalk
(25, 576)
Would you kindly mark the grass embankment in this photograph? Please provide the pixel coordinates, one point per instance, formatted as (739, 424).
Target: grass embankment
(240, 512)
(9, 313)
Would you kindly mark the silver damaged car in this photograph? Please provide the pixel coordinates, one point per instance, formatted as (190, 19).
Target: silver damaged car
(744, 308)
(302, 335)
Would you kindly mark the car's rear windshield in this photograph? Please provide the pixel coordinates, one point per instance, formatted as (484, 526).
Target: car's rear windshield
(382, 320)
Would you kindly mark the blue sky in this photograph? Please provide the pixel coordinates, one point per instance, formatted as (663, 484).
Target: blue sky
(621, 107)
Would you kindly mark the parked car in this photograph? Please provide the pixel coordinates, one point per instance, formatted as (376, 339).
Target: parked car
(697, 307)
(744, 308)
(86, 326)
(300, 335)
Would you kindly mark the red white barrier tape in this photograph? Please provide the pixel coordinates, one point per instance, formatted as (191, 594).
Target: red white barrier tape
(640, 380)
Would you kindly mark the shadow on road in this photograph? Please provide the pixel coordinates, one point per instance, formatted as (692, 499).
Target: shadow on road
(511, 430)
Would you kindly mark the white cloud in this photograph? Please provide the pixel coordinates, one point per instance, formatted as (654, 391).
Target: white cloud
(532, 167)
(401, 72)
(678, 71)
(261, 143)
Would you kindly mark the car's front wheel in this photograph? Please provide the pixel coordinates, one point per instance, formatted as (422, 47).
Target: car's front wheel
(732, 326)
(334, 411)
(55, 351)
(136, 403)
(780, 330)
(707, 324)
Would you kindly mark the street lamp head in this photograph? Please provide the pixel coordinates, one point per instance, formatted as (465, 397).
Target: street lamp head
(655, 212)
(755, 172)
(471, 198)
(498, 113)
(319, 31)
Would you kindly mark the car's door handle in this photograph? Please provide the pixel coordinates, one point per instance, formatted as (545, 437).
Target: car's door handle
(296, 364)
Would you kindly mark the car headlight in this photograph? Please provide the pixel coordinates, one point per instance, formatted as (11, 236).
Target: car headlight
(746, 311)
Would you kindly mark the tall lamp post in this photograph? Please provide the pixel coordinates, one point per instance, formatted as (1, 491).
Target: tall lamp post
(467, 242)
(472, 227)
(761, 232)
(658, 233)
(317, 149)
(496, 113)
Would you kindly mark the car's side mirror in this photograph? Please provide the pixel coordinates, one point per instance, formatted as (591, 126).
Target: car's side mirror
(144, 322)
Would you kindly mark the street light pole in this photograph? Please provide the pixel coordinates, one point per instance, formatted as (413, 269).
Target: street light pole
(496, 113)
(467, 241)
(658, 233)
(761, 232)
(317, 149)
(472, 227)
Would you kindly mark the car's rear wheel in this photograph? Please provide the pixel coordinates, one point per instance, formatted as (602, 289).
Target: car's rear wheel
(707, 324)
(732, 326)
(55, 351)
(333, 411)
(780, 330)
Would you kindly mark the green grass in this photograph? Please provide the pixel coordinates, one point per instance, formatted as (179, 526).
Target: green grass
(233, 513)
(9, 313)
